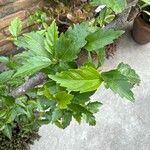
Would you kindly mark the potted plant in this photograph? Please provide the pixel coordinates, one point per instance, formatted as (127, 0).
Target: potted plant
(141, 26)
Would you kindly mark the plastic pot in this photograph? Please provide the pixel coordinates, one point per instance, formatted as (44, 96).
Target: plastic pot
(141, 30)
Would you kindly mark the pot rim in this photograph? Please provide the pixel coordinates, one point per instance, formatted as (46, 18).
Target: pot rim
(139, 17)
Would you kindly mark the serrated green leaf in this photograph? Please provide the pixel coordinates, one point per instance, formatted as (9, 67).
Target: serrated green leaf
(80, 111)
(63, 99)
(6, 76)
(84, 79)
(57, 114)
(4, 59)
(34, 42)
(101, 38)
(116, 5)
(101, 56)
(7, 131)
(20, 111)
(146, 1)
(82, 98)
(47, 93)
(90, 119)
(69, 44)
(15, 27)
(65, 120)
(131, 75)
(118, 83)
(94, 106)
(77, 117)
(33, 65)
(51, 37)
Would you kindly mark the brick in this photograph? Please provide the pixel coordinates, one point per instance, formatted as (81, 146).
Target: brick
(16, 6)
(9, 9)
(7, 46)
(4, 2)
(3, 39)
(2, 36)
(5, 49)
(6, 32)
(21, 14)
(7, 20)
(3, 42)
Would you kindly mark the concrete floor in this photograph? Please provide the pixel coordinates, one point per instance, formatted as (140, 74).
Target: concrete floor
(121, 125)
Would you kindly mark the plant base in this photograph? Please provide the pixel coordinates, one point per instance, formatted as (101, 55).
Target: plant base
(19, 141)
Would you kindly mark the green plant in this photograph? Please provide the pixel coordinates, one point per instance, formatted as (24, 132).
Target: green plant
(38, 18)
(66, 91)
(145, 9)
(116, 5)
(104, 17)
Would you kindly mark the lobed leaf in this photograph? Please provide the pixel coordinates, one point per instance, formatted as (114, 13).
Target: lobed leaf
(32, 65)
(101, 38)
(6, 76)
(65, 120)
(4, 59)
(94, 106)
(63, 99)
(84, 79)
(7, 131)
(34, 42)
(70, 43)
(118, 83)
(15, 27)
(131, 75)
(51, 37)
(80, 111)
(82, 98)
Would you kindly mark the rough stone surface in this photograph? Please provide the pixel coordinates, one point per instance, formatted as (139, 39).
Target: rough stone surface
(121, 125)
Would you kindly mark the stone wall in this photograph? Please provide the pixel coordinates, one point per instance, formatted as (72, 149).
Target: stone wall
(10, 9)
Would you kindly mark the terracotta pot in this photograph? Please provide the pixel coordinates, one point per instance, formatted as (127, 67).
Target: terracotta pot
(141, 30)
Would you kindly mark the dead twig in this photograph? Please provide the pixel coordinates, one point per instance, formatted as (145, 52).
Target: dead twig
(29, 84)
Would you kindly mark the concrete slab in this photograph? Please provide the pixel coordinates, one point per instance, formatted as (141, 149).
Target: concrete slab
(121, 125)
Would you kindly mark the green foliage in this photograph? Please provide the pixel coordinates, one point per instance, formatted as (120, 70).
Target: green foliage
(144, 5)
(6, 76)
(130, 74)
(105, 16)
(38, 17)
(14, 111)
(84, 79)
(63, 99)
(32, 65)
(146, 1)
(51, 37)
(100, 55)
(66, 93)
(116, 5)
(16, 27)
(101, 38)
(7, 131)
(34, 42)
(121, 80)
(70, 43)
(118, 84)
(3, 59)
